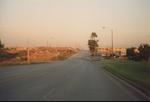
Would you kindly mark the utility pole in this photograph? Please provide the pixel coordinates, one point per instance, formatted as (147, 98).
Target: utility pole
(28, 53)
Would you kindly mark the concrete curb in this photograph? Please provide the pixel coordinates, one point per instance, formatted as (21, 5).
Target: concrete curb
(145, 93)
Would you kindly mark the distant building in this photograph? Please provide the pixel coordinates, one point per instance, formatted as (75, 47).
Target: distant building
(120, 51)
(108, 51)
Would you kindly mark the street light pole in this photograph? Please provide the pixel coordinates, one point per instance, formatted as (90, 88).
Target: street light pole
(112, 39)
(112, 35)
(28, 52)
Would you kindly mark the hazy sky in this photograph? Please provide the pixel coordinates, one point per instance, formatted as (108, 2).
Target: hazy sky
(70, 22)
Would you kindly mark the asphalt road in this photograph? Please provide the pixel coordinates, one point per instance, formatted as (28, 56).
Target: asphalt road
(77, 78)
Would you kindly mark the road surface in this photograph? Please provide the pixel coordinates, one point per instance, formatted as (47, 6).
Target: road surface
(77, 78)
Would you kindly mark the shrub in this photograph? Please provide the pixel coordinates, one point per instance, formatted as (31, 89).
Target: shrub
(132, 55)
(144, 51)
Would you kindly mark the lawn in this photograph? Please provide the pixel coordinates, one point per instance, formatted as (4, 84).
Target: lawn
(135, 71)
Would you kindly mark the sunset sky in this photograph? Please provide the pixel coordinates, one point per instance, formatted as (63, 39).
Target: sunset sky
(70, 22)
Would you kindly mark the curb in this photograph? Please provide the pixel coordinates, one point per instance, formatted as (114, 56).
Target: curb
(145, 93)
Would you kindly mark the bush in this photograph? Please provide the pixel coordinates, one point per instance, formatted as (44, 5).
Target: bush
(144, 51)
(6, 55)
(132, 55)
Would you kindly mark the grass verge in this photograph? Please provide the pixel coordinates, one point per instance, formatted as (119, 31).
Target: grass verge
(137, 72)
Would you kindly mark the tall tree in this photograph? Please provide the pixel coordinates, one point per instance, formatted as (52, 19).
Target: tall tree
(93, 35)
(93, 44)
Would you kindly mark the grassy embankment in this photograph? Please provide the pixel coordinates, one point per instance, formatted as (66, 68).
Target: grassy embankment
(137, 72)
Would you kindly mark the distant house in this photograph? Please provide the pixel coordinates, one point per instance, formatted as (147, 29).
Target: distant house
(120, 51)
(108, 51)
